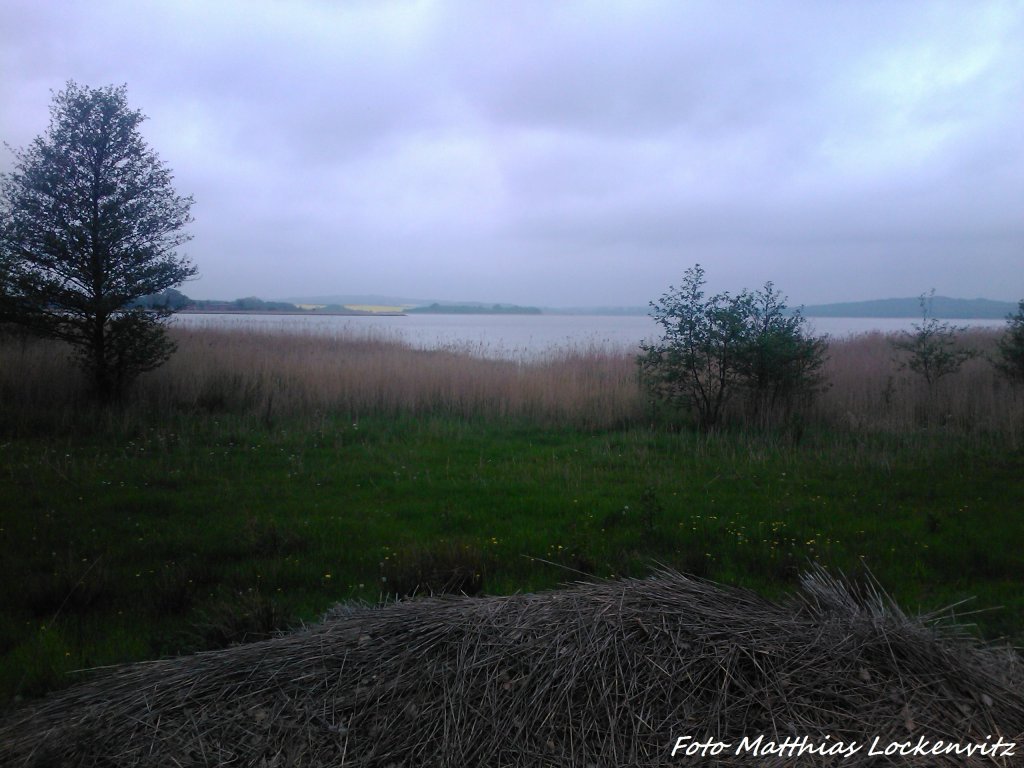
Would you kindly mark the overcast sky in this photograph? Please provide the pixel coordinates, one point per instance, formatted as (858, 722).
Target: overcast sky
(563, 153)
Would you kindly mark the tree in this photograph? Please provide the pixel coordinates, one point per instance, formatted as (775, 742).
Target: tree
(6, 272)
(90, 224)
(715, 347)
(692, 366)
(1011, 347)
(781, 364)
(932, 349)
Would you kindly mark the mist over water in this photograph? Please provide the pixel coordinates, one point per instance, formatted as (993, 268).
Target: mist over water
(516, 336)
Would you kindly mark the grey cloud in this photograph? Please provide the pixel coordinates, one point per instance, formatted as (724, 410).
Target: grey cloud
(564, 153)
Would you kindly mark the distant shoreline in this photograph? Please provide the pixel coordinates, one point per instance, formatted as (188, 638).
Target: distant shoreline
(276, 312)
(332, 313)
(938, 307)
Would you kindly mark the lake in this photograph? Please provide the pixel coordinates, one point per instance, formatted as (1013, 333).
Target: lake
(516, 336)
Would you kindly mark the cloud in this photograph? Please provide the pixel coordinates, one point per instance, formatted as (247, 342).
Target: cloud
(563, 153)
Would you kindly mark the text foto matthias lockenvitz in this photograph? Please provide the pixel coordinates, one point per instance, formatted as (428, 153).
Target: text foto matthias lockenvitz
(763, 746)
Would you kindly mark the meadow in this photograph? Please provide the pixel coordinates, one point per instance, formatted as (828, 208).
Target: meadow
(259, 478)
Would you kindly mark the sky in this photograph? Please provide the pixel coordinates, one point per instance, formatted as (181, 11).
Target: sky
(562, 153)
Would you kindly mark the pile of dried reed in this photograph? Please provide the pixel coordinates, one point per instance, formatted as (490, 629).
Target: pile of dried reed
(604, 674)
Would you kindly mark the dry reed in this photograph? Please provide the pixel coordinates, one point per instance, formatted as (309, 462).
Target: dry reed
(265, 374)
(868, 390)
(600, 674)
(268, 374)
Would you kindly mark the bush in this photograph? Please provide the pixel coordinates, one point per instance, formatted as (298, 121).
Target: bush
(716, 347)
(1010, 361)
(780, 365)
(932, 349)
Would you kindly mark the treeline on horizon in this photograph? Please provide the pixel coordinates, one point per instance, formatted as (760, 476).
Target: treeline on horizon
(176, 301)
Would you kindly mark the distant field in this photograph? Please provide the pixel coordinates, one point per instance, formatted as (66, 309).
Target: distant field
(356, 307)
(374, 308)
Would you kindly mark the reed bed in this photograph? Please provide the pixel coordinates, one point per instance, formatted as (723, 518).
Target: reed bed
(269, 374)
(262, 373)
(599, 674)
(868, 390)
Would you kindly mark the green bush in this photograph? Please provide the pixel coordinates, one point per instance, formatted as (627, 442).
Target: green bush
(932, 348)
(1011, 347)
(714, 348)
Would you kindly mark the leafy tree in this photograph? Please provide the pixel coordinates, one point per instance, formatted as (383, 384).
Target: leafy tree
(693, 365)
(716, 347)
(89, 223)
(781, 364)
(6, 274)
(1011, 347)
(932, 349)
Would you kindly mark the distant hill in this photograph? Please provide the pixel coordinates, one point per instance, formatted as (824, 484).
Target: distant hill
(941, 307)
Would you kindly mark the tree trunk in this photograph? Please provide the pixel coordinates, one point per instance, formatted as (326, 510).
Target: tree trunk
(102, 383)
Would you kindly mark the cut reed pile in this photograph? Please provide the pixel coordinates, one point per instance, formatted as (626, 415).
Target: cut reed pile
(602, 674)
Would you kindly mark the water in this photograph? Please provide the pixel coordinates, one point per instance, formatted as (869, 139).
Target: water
(518, 336)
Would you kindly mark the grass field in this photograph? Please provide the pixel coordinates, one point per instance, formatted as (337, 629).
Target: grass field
(255, 480)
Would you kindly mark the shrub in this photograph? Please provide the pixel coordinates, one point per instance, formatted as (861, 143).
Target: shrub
(780, 364)
(715, 347)
(932, 349)
(694, 364)
(1010, 360)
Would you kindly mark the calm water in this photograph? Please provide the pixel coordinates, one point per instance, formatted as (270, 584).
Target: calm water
(517, 336)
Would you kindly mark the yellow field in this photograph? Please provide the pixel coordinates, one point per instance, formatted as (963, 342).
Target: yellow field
(373, 308)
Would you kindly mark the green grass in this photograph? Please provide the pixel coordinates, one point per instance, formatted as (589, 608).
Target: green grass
(194, 532)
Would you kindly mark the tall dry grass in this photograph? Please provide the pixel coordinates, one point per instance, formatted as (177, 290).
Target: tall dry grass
(868, 389)
(268, 374)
